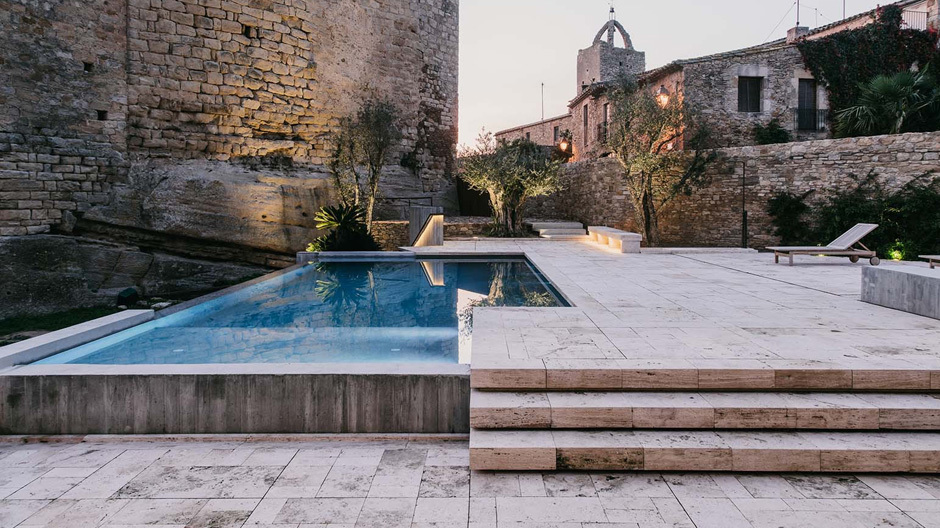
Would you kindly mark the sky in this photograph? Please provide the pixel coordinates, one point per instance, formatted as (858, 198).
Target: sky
(508, 48)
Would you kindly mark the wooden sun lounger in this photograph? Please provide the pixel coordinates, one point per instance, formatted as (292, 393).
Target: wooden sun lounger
(932, 259)
(844, 246)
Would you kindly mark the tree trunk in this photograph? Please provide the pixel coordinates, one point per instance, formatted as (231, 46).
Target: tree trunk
(650, 219)
(370, 208)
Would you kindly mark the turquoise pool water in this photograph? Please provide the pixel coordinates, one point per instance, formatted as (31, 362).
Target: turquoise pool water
(350, 312)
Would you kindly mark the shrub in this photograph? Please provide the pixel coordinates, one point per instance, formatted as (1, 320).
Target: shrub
(348, 231)
(788, 213)
(908, 219)
(893, 104)
(772, 133)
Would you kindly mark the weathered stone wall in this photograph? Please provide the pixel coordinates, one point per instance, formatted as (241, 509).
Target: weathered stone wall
(116, 102)
(466, 226)
(542, 133)
(597, 194)
(391, 234)
(62, 109)
(712, 87)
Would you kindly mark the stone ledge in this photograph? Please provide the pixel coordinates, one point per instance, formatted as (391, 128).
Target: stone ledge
(54, 342)
(908, 289)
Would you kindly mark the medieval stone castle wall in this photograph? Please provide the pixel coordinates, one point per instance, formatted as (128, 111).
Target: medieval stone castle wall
(209, 118)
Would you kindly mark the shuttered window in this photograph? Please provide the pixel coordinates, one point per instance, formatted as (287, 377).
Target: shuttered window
(749, 93)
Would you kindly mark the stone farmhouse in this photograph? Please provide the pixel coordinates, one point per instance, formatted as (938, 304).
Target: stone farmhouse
(735, 90)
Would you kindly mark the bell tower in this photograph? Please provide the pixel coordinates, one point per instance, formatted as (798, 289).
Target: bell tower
(604, 61)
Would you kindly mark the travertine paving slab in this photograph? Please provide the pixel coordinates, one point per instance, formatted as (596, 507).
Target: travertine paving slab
(452, 495)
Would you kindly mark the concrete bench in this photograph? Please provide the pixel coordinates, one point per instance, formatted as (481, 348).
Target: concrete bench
(932, 259)
(625, 241)
(906, 288)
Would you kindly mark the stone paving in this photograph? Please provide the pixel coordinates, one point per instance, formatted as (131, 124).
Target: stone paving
(229, 484)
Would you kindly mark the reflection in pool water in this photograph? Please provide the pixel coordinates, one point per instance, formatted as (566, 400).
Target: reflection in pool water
(415, 311)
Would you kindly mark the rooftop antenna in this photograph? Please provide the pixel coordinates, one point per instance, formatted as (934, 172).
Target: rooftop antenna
(543, 101)
(797, 13)
(843, 9)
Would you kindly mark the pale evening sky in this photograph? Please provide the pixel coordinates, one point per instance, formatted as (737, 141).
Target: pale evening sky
(508, 48)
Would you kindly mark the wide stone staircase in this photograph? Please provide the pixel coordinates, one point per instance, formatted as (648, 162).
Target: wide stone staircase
(559, 230)
(663, 418)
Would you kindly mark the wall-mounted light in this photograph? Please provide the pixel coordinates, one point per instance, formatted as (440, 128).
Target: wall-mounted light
(662, 95)
(563, 146)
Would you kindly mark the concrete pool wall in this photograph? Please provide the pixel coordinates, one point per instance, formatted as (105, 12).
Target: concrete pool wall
(197, 399)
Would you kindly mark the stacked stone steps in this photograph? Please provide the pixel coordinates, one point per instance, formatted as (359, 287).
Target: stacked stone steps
(559, 230)
(691, 410)
(685, 375)
(682, 416)
(745, 451)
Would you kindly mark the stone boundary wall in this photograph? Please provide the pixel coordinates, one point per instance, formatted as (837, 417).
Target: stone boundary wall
(393, 234)
(107, 103)
(597, 194)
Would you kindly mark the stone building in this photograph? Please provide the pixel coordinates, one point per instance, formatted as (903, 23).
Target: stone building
(208, 118)
(734, 91)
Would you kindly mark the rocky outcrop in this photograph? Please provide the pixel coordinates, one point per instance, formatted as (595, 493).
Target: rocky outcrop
(44, 274)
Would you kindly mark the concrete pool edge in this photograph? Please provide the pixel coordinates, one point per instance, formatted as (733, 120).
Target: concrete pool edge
(46, 345)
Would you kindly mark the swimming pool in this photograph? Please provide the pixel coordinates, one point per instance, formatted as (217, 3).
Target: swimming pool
(417, 311)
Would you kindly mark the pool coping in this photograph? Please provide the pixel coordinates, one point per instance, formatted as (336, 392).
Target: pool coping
(20, 361)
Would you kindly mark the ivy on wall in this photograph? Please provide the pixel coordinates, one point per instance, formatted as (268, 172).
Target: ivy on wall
(844, 60)
(909, 217)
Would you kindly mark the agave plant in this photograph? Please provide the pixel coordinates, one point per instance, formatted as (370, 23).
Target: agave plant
(893, 104)
(348, 231)
(343, 217)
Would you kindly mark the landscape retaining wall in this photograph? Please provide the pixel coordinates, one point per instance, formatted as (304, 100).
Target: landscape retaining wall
(597, 194)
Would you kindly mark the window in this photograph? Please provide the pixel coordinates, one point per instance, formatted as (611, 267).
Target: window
(102, 115)
(88, 67)
(585, 112)
(602, 129)
(807, 109)
(556, 134)
(749, 94)
(528, 136)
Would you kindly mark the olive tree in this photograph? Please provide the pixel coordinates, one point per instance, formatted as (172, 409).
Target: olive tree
(660, 143)
(360, 149)
(510, 172)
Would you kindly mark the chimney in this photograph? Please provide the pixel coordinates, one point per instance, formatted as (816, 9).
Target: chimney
(796, 33)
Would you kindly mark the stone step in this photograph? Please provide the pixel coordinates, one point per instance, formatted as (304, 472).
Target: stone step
(538, 226)
(697, 375)
(561, 232)
(690, 410)
(582, 238)
(606, 450)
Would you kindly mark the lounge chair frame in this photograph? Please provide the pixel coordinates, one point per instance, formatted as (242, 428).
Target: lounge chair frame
(854, 254)
(848, 245)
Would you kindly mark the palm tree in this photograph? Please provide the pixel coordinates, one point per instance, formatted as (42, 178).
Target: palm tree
(893, 104)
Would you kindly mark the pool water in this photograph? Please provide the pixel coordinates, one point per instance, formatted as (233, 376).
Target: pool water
(349, 312)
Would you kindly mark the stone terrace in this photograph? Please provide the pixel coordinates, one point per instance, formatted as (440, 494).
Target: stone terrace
(231, 484)
(755, 367)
